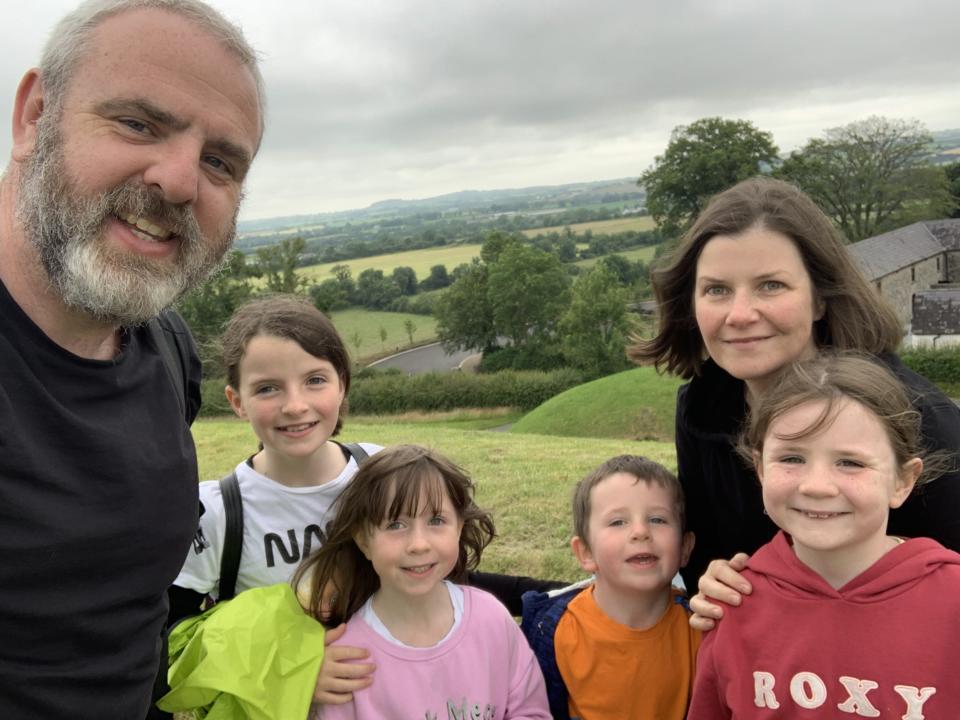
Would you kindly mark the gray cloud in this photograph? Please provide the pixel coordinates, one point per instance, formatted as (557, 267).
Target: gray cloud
(408, 98)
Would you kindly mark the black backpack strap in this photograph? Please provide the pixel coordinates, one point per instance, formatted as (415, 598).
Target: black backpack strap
(171, 360)
(171, 335)
(358, 453)
(233, 538)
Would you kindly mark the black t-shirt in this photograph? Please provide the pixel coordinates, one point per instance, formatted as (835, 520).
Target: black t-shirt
(98, 504)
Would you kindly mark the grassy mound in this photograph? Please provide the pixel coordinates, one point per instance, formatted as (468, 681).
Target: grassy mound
(636, 404)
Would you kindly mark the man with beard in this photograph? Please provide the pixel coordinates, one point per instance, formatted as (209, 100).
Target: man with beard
(130, 147)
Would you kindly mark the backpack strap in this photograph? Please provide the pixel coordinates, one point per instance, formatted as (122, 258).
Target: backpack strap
(358, 453)
(233, 538)
(173, 340)
(171, 360)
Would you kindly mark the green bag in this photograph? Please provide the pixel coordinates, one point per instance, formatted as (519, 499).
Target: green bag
(255, 657)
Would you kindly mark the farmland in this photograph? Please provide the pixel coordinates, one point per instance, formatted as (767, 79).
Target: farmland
(600, 227)
(420, 260)
(367, 323)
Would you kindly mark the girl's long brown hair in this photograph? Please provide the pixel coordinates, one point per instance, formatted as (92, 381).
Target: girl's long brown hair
(394, 482)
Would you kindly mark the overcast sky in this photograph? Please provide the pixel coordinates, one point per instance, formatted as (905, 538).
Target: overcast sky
(371, 99)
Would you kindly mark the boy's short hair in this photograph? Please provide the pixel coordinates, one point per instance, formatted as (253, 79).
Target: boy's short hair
(643, 469)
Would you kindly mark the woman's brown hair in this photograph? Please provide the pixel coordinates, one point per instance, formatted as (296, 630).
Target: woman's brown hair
(855, 316)
(396, 481)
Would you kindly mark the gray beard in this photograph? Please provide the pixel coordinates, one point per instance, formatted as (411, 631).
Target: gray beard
(89, 275)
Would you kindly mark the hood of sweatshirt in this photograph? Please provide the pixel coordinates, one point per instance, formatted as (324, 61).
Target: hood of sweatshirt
(896, 572)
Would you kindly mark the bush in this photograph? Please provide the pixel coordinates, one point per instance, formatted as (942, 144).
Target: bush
(214, 401)
(384, 392)
(396, 393)
(940, 365)
(534, 357)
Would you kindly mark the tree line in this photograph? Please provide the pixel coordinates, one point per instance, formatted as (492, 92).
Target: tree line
(869, 176)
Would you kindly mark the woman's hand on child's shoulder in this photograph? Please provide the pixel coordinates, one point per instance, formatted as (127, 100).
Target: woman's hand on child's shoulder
(340, 674)
(721, 583)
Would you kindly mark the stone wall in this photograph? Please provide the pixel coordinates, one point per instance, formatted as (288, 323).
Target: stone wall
(898, 287)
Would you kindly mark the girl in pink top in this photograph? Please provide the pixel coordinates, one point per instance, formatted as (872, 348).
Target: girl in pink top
(404, 527)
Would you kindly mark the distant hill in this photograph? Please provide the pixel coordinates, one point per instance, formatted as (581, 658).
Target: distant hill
(947, 144)
(513, 200)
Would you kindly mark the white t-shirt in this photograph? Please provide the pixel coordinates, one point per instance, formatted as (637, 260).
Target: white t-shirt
(281, 526)
(371, 618)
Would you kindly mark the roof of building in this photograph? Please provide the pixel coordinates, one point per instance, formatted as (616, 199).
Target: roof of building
(946, 231)
(885, 254)
(936, 312)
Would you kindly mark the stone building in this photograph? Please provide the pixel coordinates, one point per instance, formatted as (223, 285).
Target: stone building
(917, 269)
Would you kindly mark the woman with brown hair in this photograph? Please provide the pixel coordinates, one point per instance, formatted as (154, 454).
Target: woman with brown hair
(762, 279)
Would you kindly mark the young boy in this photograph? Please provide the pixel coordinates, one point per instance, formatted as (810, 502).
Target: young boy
(619, 646)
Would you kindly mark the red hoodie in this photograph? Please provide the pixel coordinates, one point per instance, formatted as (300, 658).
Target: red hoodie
(884, 645)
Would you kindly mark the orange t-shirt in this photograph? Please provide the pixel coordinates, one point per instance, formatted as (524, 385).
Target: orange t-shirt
(614, 672)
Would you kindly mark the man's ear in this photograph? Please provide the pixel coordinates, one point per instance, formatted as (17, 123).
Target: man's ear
(905, 481)
(27, 109)
(686, 547)
(236, 402)
(581, 551)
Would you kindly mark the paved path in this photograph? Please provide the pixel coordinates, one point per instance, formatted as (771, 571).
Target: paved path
(427, 358)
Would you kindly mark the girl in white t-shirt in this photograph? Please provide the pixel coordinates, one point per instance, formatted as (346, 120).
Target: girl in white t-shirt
(288, 374)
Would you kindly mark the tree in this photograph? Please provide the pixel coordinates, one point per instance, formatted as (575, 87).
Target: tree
(375, 290)
(383, 337)
(438, 278)
(406, 279)
(494, 244)
(702, 159)
(328, 296)
(952, 171)
(595, 327)
(464, 313)
(207, 307)
(356, 339)
(345, 282)
(278, 264)
(870, 176)
(410, 327)
(528, 291)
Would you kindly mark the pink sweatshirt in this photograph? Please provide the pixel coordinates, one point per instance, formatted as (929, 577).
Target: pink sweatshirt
(485, 670)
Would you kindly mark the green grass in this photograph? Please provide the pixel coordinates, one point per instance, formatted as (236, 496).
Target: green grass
(524, 480)
(368, 323)
(950, 389)
(642, 253)
(600, 227)
(420, 260)
(636, 404)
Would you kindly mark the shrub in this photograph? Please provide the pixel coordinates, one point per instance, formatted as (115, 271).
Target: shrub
(386, 392)
(394, 393)
(536, 356)
(940, 365)
(214, 400)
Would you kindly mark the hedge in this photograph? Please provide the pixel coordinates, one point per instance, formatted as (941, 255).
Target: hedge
(394, 392)
(940, 365)
(384, 393)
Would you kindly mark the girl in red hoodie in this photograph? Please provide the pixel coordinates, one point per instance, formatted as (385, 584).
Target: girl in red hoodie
(843, 618)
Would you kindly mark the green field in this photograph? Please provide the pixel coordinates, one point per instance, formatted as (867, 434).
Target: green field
(642, 253)
(524, 480)
(420, 260)
(368, 323)
(619, 225)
